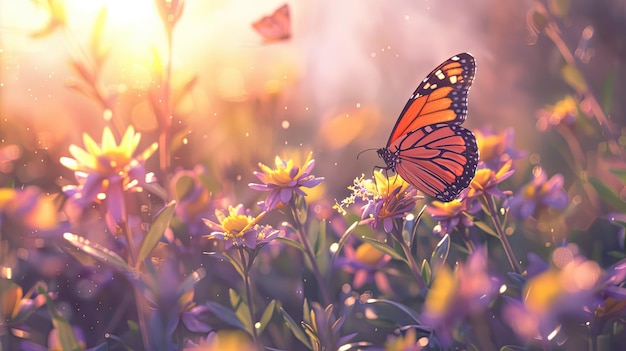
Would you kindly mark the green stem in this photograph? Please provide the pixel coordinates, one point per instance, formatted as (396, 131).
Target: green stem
(497, 224)
(309, 252)
(247, 265)
(397, 235)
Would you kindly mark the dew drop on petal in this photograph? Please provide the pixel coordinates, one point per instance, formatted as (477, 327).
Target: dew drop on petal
(285, 124)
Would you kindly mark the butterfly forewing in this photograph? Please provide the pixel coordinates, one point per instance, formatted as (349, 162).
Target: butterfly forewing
(440, 98)
(427, 147)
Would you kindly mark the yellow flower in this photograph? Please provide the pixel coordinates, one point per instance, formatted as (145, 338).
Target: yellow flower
(109, 158)
(105, 171)
(486, 180)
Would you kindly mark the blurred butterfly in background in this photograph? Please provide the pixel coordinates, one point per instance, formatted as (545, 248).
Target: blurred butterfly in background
(428, 147)
(276, 26)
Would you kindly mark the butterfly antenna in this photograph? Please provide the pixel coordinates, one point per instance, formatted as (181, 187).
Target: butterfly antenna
(359, 154)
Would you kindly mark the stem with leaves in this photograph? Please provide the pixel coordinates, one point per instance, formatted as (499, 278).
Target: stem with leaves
(247, 265)
(308, 249)
(397, 235)
(490, 204)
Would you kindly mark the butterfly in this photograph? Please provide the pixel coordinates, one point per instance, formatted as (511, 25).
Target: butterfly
(276, 26)
(428, 147)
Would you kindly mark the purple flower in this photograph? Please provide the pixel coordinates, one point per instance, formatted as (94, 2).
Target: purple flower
(459, 293)
(386, 199)
(366, 263)
(104, 172)
(238, 228)
(571, 287)
(286, 179)
(450, 214)
(539, 194)
(497, 149)
(486, 181)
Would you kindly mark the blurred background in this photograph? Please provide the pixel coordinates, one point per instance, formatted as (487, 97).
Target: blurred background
(335, 87)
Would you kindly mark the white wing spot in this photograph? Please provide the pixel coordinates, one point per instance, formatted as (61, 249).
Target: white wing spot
(440, 75)
(453, 79)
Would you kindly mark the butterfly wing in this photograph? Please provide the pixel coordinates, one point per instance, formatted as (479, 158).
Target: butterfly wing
(427, 147)
(276, 26)
(440, 98)
(439, 160)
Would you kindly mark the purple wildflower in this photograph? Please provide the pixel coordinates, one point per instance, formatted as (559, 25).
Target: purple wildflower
(104, 172)
(450, 214)
(495, 149)
(540, 193)
(459, 293)
(386, 199)
(285, 180)
(239, 228)
(366, 263)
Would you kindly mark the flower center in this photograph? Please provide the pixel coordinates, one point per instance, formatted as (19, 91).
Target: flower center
(366, 253)
(281, 177)
(235, 224)
(114, 161)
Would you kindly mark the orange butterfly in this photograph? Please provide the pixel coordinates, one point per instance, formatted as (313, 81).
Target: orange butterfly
(428, 147)
(275, 27)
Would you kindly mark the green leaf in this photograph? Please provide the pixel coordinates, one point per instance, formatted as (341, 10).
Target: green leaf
(225, 314)
(230, 260)
(65, 333)
(608, 195)
(184, 186)
(620, 173)
(440, 254)
(157, 190)
(158, 227)
(608, 91)
(418, 218)
(342, 242)
(384, 248)
(266, 317)
(405, 309)
(572, 76)
(485, 227)
(291, 243)
(191, 280)
(241, 310)
(295, 329)
(97, 251)
(426, 272)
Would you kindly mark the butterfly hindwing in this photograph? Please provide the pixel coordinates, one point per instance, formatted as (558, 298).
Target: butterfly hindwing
(440, 160)
(440, 98)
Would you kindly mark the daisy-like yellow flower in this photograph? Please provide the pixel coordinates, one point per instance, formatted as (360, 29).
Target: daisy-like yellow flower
(238, 228)
(486, 181)
(495, 149)
(284, 180)
(386, 198)
(105, 171)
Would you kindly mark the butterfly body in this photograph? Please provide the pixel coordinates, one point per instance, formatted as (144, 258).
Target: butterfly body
(428, 147)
